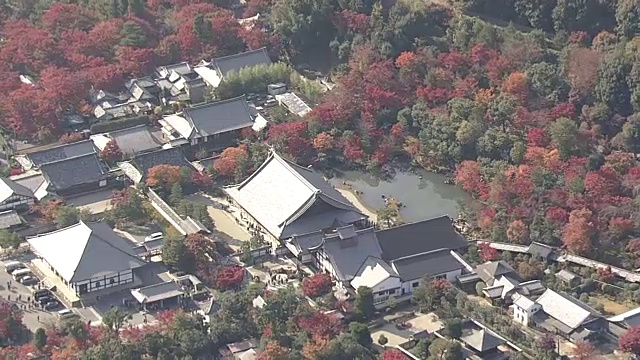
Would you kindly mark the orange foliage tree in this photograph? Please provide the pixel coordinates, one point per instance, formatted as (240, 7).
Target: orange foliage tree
(229, 160)
(578, 231)
(163, 175)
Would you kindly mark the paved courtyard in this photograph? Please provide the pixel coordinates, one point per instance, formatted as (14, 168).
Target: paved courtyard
(233, 233)
(97, 202)
(33, 318)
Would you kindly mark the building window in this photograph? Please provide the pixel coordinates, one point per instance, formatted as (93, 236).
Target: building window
(112, 281)
(97, 283)
(103, 183)
(415, 284)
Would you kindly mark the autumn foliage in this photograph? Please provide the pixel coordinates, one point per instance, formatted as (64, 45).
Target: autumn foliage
(111, 151)
(317, 285)
(230, 159)
(163, 175)
(630, 341)
(228, 277)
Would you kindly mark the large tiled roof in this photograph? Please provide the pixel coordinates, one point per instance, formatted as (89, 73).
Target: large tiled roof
(62, 152)
(84, 251)
(220, 116)
(9, 187)
(420, 237)
(288, 199)
(481, 340)
(172, 156)
(430, 263)
(566, 309)
(84, 169)
(242, 60)
(134, 140)
(348, 254)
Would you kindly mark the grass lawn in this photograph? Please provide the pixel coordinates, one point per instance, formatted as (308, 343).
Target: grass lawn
(613, 307)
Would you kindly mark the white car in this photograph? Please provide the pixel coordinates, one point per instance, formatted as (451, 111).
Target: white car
(154, 236)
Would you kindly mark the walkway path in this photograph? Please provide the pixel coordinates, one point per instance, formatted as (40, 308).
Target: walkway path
(358, 204)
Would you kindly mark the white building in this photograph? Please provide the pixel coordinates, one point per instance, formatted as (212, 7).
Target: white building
(523, 309)
(14, 196)
(391, 262)
(88, 257)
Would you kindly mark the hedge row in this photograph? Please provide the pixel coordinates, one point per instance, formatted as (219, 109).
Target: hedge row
(119, 124)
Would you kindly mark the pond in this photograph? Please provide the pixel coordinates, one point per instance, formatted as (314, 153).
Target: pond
(424, 194)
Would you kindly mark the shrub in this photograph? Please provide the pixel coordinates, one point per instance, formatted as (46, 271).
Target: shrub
(316, 285)
(382, 340)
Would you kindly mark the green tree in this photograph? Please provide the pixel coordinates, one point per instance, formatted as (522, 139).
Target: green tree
(176, 195)
(583, 15)
(612, 88)
(133, 35)
(175, 255)
(202, 27)
(385, 215)
(564, 136)
(546, 81)
(453, 328)
(438, 348)
(537, 12)
(278, 310)
(40, 339)
(361, 333)
(305, 24)
(69, 215)
(136, 7)
(628, 18)
(363, 307)
(633, 81)
(382, 340)
(454, 351)
(629, 137)
(115, 319)
(9, 239)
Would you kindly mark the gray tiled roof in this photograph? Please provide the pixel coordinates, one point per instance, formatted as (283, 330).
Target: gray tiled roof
(84, 251)
(134, 140)
(347, 255)
(157, 292)
(288, 199)
(238, 61)
(62, 152)
(420, 237)
(219, 116)
(84, 169)
(9, 218)
(431, 263)
(172, 156)
(566, 309)
(492, 270)
(481, 340)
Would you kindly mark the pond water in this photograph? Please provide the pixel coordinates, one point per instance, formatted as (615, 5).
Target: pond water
(424, 194)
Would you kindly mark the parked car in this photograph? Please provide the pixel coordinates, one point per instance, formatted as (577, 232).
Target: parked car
(154, 236)
(11, 266)
(46, 299)
(37, 294)
(52, 305)
(66, 313)
(29, 280)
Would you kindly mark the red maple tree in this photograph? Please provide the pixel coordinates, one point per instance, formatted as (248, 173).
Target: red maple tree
(316, 285)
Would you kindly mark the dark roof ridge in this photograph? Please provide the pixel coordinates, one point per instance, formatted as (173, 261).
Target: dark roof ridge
(60, 146)
(227, 57)
(217, 102)
(126, 129)
(152, 152)
(93, 233)
(420, 254)
(416, 222)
